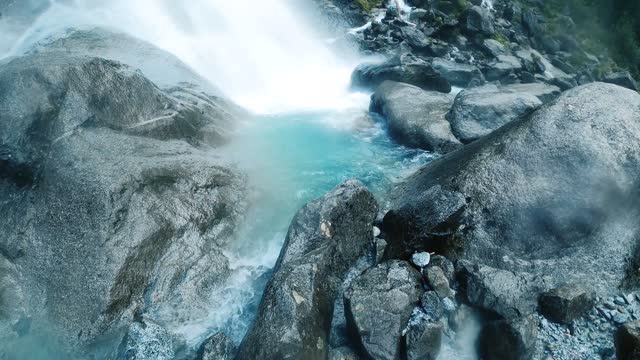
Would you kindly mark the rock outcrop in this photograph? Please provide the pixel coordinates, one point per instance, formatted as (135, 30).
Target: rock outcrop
(627, 340)
(110, 190)
(416, 117)
(479, 111)
(378, 307)
(146, 340)
(325, 239)
(553, 193)
(566, 303)
(216, 347)
(406, 68)
(624, 79)
(512, 339)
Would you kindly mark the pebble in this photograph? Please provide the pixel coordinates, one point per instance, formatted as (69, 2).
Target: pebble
(620, 318)
(610, 305)
(449, 305)
(421, 259)
(376, 231)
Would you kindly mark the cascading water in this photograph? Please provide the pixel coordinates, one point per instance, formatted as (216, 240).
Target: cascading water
(311, 132)
(260, 52)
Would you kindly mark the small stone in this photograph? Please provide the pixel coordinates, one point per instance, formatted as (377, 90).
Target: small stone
(610, 305)
(421, 259)
(438, 282)
(432, 305)
(619, 318)
(629, 298)
(449, 305)
(380, 246)
(619, 300)
(445, 264)
(382, 297)
(376, 231)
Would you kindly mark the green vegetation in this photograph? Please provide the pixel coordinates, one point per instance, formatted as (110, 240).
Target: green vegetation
(501, 38)
(368, 5)
(612, 25)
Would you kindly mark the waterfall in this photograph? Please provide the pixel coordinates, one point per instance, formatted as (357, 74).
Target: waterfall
(260, 53)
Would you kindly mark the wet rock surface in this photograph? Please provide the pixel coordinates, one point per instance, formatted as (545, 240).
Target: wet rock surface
(510, 295)
(216, 347)
(479, 111)
(146, 340)
(110, 182)
(627, 341)
(416, 117)
(512, 339)
(325, 239)
(423, 341)
(508, 188)
(566, 303)
(624, 79)
(378, 307)
(406, 68)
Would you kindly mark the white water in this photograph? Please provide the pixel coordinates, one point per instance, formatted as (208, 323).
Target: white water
(259, 52)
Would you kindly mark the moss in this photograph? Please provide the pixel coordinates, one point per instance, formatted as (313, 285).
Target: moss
(501, 38)
(368, 5)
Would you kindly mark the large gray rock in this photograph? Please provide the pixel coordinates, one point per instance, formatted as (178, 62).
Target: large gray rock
(146, 340)
(416, 117)
(566, 303)
(378, 307)
(494, 47)
(325, 239)
(622, 78)
(456, 73)
(502, 67)
(112, 199)
(555, 193)
(478, 20)
(508, 294)
(513, 339)
(479, 111)
(627, 340)
(406, 68)
(533, 59)
(423, 340)
(216, 347)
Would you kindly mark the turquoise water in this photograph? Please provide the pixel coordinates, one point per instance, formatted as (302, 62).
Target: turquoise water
(291, 159)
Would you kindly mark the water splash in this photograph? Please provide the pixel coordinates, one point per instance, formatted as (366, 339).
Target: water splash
(261, 53)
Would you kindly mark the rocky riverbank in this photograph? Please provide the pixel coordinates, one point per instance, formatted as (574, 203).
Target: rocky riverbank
(521, 241)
